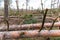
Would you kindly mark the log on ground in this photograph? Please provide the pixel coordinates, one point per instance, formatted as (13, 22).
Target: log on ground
(28, 26)
(29, 34)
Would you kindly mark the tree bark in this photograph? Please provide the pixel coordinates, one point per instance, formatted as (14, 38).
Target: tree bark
(31, 33)
(6, 8)
(6, 2)
(28, 26)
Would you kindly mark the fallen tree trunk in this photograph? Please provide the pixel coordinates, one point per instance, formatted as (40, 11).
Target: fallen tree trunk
(28, 26)
(29, 34)
(18, 17)
(14, 19)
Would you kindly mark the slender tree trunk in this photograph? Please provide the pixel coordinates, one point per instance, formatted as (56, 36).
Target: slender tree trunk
(6, 2)
(26, 5)
(6, 9)
(17, 6)
(57, 3)
(42, 4)
(18, 11)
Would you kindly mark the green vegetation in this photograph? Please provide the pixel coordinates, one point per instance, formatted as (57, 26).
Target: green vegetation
(29, 19)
